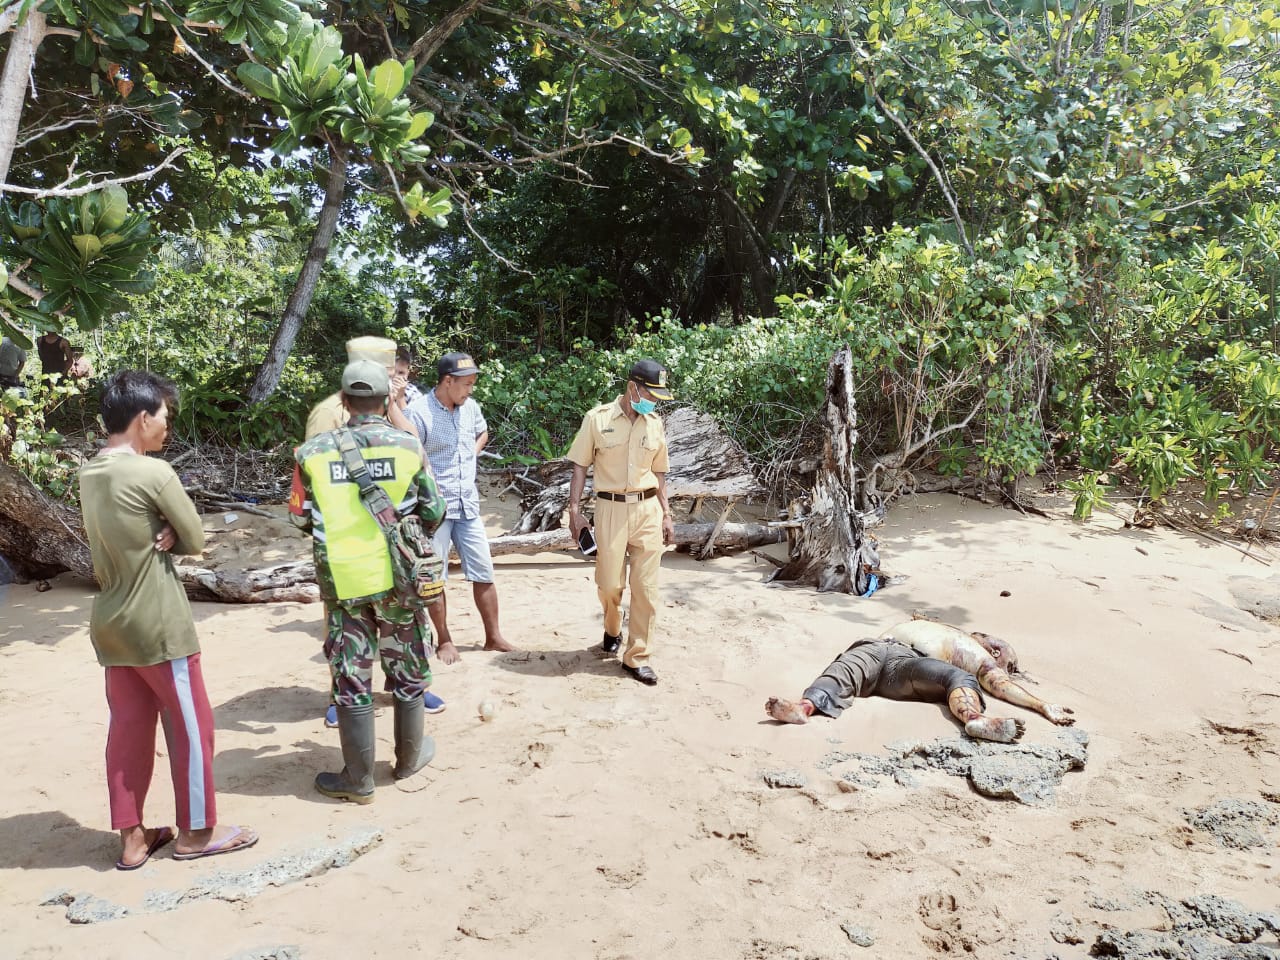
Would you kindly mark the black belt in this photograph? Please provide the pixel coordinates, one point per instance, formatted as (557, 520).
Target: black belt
(627, 497)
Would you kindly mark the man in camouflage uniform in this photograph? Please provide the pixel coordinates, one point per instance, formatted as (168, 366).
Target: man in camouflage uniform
(330, 414)
(353, 569)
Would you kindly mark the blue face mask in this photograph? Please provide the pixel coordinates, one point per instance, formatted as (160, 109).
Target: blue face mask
(643, 406)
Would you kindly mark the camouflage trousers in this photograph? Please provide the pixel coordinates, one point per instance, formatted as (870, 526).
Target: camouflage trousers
(400, 636)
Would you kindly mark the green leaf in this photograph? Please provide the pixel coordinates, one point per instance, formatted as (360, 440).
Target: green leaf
(85, 48)
(679, 138)
(113, 207)
(260, 81)
(387, 81)
(88, 244)
(419, 124)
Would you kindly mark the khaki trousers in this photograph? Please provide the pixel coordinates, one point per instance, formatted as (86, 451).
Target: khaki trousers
(634, 531)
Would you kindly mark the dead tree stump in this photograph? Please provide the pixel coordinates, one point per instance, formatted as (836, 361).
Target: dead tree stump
(831, 549)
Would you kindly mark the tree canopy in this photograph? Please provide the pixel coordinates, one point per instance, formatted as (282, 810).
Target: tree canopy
(1053, 228)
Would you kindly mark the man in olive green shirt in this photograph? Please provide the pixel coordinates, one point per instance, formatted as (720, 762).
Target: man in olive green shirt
(136, 515)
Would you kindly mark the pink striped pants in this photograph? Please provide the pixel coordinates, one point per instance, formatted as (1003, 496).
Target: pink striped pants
(172, 692)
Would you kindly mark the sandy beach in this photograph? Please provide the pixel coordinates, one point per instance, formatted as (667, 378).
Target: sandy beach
(597, 818)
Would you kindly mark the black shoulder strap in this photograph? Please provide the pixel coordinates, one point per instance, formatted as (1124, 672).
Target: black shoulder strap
(374, 497)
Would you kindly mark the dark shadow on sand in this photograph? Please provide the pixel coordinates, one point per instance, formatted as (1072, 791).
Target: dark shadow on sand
(256, 710)
(289, 773)
(50, 840)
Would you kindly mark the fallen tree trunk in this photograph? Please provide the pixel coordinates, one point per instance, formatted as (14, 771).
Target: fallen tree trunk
(285, 582)
(732, 536)
(296, 581)
(39, 537)
(831, 549)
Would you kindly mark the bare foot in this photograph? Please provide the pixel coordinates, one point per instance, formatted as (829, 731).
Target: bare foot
(499, 646)
(995, 729)
(786, 711)
(137, 844)
(446, 652)
(220, 839)
(1059, 715)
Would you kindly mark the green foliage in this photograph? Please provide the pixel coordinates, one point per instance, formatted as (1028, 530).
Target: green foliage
(87, 254)
(28, 441)
(209, 319)
(318, 89)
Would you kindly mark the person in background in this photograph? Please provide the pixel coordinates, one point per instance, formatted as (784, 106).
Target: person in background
(55, 355)
(12, 359)
(136, 515)
(329, 413)
(453, 432)
(404, 370)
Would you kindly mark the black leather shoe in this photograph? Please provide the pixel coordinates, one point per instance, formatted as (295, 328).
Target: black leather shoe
(643, 673)
(611, 643)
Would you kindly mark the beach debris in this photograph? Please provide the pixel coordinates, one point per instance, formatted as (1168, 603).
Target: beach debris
(1065, 929)
(858, 935)
(1198, 927)
(1234, 823)
(777, 779)
(1258, 597)
(1027, 772)
(85, 908)
(231, 885)
(283, 952)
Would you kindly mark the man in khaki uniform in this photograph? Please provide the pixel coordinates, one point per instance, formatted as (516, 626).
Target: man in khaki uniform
(329, 413)
(624, 441)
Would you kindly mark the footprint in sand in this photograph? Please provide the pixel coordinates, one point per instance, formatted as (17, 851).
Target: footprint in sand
(624, 878)
(538, 755)
(953, 932)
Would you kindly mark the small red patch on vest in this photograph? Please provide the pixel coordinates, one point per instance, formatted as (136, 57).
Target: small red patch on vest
(297, 496)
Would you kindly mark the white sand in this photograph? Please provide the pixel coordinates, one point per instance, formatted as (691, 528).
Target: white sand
(594, 817)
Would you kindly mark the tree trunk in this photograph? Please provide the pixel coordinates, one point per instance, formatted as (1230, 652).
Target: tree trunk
(285, 582)
(831, 549)
(732, 536)
(268, 376)
(38, 536)
(745, 257)
(25, 40)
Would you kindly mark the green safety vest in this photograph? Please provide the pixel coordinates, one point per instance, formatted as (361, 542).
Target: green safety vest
(356, 546)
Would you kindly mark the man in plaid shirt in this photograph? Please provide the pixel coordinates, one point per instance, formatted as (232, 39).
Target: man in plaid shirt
(453, 431)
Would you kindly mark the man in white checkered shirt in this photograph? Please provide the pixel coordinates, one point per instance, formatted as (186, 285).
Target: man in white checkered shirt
(453, 432)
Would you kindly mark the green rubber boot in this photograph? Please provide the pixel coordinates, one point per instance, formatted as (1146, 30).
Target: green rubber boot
(355, 782)
(414, 750)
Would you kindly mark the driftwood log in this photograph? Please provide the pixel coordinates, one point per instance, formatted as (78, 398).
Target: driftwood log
(705, 463)
(39, 537)
(286, 581)
(296, 581)
(692, 536)
(830, 549)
